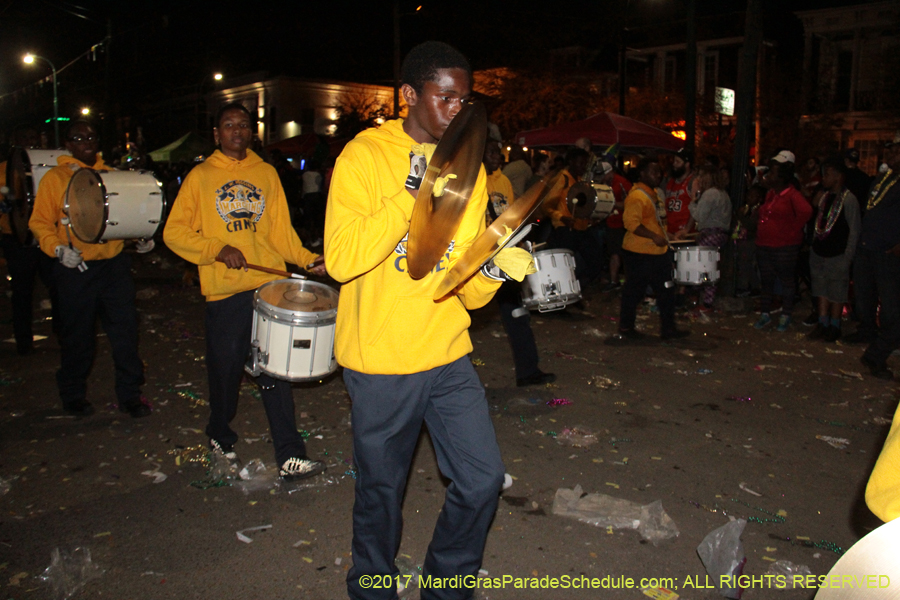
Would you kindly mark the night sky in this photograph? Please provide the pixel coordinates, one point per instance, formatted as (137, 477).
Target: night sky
(166, 47)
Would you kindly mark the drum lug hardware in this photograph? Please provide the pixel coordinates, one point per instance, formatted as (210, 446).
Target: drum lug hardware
(263, 358)
(112, 223)
(153, 221)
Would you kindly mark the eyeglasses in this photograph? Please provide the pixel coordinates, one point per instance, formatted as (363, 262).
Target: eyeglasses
(80, 139)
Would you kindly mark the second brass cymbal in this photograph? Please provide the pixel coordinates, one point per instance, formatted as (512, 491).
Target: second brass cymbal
(485, 247)
(435, 220)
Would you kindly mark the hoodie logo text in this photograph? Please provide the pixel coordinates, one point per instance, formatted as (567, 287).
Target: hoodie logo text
(240, 204)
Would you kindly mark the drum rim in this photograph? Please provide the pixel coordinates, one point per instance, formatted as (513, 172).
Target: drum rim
(553, 251)
(99, 238)
(295, 317)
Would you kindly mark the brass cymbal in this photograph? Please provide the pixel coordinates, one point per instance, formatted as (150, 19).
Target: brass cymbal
(435, 220)
(869, 567)
(581, 199)
(485, 247)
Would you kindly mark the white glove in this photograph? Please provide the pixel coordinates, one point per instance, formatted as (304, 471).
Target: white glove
(145, 246)
(69, 257)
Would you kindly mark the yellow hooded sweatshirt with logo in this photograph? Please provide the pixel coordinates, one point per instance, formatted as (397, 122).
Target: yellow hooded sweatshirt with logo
(46, 217)
(388, 322)
(239, 203)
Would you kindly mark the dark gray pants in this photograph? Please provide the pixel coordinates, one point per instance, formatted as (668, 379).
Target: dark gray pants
(388, 412)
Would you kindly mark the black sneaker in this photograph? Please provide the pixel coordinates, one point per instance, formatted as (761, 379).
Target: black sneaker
(812, 319)
(296, 468)
(79, 408)
(226, 452)
(674, 334)
(879, 371)
(818, 333)
(631, 335)
(539, 378)
(137, 411)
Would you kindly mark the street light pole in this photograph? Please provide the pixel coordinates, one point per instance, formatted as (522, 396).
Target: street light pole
(29, 59)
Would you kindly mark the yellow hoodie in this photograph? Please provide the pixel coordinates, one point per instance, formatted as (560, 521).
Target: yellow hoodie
(45, 222)
(883, 489)
(387, 322)
(643, 207)
(239, 203)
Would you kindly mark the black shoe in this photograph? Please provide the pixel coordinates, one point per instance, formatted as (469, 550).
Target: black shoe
(818, 333)
(858, 338)
(539, 378)
(832, 334)
(79, 408)
(812, 319)
(226, 452)
(674, 334)
(300, 468)
(136, 411)
(879, 371)
(630, 334)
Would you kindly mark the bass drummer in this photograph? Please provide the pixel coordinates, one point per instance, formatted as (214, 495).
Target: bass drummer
(232, 211)
(92, 280)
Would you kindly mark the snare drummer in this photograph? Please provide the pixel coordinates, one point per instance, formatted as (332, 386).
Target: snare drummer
(92, 280)
(231, 211)
(647, 260)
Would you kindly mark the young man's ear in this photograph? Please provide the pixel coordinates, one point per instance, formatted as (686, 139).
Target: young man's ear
(409, 94)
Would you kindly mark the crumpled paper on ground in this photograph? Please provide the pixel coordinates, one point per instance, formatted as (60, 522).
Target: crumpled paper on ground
(651, 521)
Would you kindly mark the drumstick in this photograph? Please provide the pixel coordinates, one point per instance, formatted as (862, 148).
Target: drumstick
(286, 274)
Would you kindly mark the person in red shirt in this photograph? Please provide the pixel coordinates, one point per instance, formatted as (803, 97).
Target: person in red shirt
(678, 192)
(779, 234)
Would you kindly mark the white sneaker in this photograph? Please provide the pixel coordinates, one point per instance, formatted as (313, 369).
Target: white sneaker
(227, 452)
(300, 468)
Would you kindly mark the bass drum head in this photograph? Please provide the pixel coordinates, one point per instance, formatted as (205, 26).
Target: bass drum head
(86, 205)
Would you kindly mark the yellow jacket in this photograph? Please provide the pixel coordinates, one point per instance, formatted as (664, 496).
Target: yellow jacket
(387, 322)
(883, 489)
(239, 203)
(558, 207)
(642, 207)
(45, 222)
(500, 192)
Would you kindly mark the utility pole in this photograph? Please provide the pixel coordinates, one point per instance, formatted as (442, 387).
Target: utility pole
(745, 100)
(690, 79)
(396, 58)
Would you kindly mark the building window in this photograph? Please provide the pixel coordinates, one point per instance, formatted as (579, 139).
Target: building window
(671, 73)
(709, 78)
(843, 78)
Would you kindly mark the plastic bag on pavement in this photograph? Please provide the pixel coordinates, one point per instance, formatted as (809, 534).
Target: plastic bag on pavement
(789, 570)
(69, 571)
(601, 510)
(722, 553)
(255, 476)
(578, 436)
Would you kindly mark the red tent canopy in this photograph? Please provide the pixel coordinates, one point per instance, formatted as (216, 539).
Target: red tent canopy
(603, 129)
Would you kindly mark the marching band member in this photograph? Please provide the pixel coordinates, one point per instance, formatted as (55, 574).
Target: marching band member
(92, 280)
(405, 356)
(232, 211)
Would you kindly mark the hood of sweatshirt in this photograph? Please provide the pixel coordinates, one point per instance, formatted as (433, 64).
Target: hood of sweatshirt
(71, 160)
(391, 132)
(229, 164)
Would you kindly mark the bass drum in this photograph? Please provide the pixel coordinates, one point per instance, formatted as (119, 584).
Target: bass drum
(114, 205)
(24, 170)
(606, 202)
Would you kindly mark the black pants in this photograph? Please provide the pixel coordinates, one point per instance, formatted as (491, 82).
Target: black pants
(229, 326)
(877, 277)
(104, 290)
(654, 270)
(586, 248)
(778, 263)
(517, 324)
(23, 264)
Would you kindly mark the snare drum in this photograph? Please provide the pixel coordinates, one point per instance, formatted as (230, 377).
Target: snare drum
(293, 330)
(553, 286)
(114, 205)
(696, 265)
(606, 202)
(24, 170)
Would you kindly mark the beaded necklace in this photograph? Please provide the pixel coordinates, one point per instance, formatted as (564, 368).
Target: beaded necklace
(882, 187)
(824, 222)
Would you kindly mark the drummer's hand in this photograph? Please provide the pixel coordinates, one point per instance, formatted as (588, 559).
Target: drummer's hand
(680, 234)
(317, 267)
(567, 221)
(660, 240)
(232, 257)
